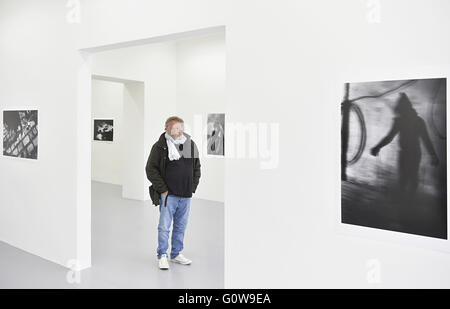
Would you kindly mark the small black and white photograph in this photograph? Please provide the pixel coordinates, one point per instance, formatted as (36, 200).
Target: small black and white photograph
(103, 130)
(216, 134)
(20, 133)
(393, 156)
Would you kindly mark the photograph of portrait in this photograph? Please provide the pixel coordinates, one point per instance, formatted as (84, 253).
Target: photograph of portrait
(393, 156)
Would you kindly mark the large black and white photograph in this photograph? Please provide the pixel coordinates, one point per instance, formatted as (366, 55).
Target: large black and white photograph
(393, 156)
(216, 134)
(103, 130)
(20, 133)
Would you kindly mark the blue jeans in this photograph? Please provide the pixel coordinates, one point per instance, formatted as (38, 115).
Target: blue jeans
(177, 209)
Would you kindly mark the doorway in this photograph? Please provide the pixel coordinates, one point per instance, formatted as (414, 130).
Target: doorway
(135, 131)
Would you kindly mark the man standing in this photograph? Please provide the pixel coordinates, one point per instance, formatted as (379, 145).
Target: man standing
(173, 168)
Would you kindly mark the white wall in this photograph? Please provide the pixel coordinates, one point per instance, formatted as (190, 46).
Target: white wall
(282, 66)
(107, 103)
(200, 91)
(134, 184)
(38, 61)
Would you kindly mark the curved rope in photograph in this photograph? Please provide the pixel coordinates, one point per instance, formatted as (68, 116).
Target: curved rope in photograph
(363, 137)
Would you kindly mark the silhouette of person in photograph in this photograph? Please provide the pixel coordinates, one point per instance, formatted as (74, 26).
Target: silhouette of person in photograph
(411, 128)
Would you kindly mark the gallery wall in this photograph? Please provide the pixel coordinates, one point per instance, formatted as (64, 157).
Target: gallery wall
(38, 200)
(107, 103)
(284, 60)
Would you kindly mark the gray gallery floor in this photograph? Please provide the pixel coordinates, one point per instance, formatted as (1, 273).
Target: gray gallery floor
(124, 241)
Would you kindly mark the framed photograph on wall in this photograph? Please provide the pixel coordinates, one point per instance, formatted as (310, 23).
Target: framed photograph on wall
(215, 134)
(393, 159)
(20, 133)
(104, 130)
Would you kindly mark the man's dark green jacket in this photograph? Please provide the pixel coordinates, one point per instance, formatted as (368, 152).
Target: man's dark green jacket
(156, 166)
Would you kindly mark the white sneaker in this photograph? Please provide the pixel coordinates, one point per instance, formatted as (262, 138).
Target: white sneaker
(163, 263)
(181, 259)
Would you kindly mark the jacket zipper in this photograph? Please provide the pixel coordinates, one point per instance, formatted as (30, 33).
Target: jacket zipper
(164, 160)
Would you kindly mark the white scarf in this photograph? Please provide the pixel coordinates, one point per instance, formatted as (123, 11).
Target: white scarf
(171, 142)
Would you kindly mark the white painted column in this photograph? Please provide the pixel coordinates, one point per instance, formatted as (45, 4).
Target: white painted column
(133, 142)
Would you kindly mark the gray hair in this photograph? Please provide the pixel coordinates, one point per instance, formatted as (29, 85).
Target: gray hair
(173, 118)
